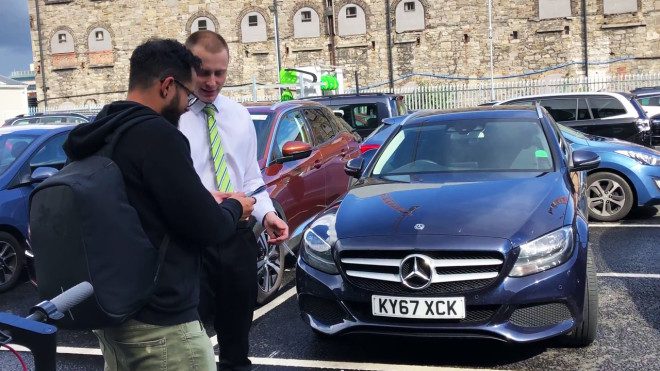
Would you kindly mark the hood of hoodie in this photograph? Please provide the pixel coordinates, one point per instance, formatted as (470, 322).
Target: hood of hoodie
(87, 139)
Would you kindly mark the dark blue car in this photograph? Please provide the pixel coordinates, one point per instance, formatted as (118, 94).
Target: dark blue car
(464, 224)
(23, 150)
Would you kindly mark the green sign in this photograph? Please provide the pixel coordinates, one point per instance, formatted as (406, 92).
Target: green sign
(329, 82)
(288, 77)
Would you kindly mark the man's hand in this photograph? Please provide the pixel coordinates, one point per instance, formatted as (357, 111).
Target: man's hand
(221, 196)
(246, 202)
(276, 228)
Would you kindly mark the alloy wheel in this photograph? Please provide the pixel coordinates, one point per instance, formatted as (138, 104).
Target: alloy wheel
(606, 197)
(271, 269)
(8, 262)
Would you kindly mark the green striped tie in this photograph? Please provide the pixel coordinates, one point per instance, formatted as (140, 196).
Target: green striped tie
(217, 153)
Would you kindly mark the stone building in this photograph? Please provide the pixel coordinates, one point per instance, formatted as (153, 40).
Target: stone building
(82, 47)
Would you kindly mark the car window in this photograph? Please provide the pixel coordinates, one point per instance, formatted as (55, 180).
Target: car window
(602, 107)
(262, 128)
(50, 153)
(466, 145)
(561, 109)
(25, 121)
(366, 115)
(583, 110)
(291, 127)
(12, 146)
(529, 102)
(401, 108)
(650, 101)
(322, 129)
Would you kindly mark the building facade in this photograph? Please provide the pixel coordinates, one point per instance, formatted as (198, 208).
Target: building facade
(82, 47)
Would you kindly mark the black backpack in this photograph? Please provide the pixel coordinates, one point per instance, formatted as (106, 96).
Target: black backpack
(84, 229)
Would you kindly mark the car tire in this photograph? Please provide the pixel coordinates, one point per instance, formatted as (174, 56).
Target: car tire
(585, 332)
(12, 258)
(610, 197)
(271, 258)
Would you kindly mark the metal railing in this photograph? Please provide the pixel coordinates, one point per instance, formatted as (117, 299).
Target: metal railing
(444, 96)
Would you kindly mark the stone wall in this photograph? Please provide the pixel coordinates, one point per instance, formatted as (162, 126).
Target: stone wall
(454, 42)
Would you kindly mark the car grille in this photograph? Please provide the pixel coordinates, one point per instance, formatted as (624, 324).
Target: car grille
(541, 315)
(473, 315)
(452, 272)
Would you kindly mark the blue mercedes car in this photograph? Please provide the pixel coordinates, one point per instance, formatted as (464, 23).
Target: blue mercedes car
(465, 223)
(28, 154)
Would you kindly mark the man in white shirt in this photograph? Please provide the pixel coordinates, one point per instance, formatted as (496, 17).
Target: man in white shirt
(223, 146)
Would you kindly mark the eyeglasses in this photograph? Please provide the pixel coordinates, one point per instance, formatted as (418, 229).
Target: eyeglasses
(192, 98)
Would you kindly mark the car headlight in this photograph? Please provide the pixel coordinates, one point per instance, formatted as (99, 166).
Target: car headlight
(318, 240)
(641, 157)
(543, 253)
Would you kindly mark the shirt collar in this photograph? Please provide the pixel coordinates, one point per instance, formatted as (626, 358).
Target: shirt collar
(199, 105)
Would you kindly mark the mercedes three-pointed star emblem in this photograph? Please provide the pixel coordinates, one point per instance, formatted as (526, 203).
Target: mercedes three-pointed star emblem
(416, 271)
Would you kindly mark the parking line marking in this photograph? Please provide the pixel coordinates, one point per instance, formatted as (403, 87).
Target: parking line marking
(285, 362)
(265, 309)
(615, 225)
(629, 275)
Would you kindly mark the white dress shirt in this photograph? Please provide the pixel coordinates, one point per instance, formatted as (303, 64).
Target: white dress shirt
(239, 142)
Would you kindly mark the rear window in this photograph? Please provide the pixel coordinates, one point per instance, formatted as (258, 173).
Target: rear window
(650, 101)
(603, 107)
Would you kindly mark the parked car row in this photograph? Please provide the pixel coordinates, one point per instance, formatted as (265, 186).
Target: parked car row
(47, 119)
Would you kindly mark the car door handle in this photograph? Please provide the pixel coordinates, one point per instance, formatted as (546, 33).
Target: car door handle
(343, 153)
(317, 164)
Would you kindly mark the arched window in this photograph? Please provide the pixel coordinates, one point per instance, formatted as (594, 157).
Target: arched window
(63, 50)
(410, 16)
(253, 28)
(202, 23)
(100, 53)
(351, 20)
(306, 23)
(62, 42)
(549, 9)
(99, 40)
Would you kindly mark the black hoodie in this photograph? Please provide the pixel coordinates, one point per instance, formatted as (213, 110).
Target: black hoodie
(161, 184)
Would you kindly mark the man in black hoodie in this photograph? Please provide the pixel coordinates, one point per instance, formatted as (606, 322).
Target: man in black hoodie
(161, 184)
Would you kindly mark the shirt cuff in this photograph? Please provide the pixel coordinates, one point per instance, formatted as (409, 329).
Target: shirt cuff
(263, 206)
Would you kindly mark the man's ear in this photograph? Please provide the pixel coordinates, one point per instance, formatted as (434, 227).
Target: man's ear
(164, 86)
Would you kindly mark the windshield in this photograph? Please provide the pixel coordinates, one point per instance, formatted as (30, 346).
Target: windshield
(262, 127)
(12, 146)
(466, 145)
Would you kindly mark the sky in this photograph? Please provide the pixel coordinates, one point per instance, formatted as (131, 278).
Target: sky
(15, 47)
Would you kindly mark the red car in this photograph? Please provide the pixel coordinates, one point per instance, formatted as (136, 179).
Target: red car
(302, 148)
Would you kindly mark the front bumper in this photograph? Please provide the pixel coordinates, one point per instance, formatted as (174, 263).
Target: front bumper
(518, 310)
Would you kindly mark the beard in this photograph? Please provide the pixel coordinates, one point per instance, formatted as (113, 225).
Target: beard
(172, 113)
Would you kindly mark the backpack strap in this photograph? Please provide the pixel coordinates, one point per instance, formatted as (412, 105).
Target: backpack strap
(111, 140)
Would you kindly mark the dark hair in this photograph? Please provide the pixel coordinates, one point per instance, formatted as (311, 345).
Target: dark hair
(209, 40)
(157, 59)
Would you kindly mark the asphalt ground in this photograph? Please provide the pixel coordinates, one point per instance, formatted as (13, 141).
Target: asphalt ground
(627, 257)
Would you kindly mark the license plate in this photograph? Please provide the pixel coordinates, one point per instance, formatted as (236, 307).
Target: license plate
(407, 307)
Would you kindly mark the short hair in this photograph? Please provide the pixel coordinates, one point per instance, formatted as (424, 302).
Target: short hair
(209, 40)
(157, 59)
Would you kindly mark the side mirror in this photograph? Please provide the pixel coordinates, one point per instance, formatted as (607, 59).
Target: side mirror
(368, 155)
(294, 150)
(354, 167)
(585, 160)
(42, 173)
